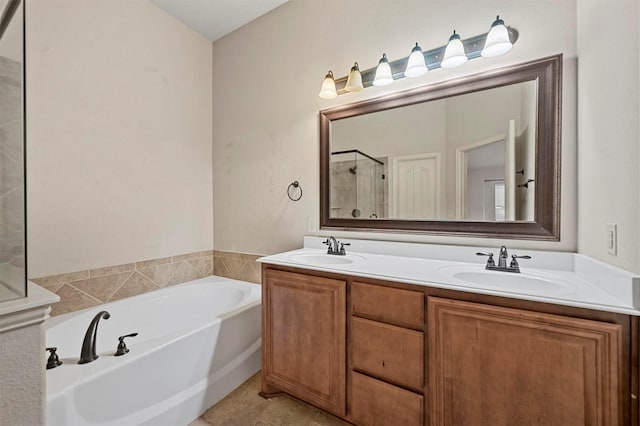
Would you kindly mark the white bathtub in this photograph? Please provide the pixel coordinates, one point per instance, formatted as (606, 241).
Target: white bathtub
(197, 342)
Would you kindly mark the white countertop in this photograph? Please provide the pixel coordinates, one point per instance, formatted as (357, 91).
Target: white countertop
(560, 278)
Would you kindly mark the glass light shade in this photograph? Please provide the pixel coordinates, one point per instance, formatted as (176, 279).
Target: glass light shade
(328, 88)
(497, 42)
(416, 65)
(354, 81)
(383, 72)
(454, 54)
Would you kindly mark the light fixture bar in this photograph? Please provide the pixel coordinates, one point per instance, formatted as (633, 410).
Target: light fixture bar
(473, 46)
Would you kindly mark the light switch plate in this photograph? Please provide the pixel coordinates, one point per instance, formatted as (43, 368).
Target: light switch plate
(612, 238)
(312, 224)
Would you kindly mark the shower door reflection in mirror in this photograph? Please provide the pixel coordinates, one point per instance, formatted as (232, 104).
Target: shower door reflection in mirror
(12, 189)
(464, 157)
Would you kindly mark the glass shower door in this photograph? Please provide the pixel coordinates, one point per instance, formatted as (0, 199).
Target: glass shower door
(12, 169)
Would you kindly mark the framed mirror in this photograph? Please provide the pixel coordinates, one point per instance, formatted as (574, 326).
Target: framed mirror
(475, 156)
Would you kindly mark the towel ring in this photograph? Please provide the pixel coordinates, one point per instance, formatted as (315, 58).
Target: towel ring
(294, 184)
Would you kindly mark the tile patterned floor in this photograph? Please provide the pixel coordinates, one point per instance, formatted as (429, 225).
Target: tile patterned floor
(244, 407)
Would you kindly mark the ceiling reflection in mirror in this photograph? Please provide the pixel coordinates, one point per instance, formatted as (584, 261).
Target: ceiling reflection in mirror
(466, 157)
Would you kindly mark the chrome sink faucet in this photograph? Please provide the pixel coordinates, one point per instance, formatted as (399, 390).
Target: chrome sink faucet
(332, 246)
(88, 352)
(502, 261)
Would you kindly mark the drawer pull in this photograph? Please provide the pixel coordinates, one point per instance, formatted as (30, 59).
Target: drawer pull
(383, 363)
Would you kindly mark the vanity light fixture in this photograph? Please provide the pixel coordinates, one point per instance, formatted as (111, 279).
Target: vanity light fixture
(454, 54)
(416, 65)
(383, 77)
(328, 88)
(498, 42)
(354, 82)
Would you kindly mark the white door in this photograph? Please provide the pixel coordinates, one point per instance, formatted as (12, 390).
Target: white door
(494, 200)
(510, 171)
(416, 186)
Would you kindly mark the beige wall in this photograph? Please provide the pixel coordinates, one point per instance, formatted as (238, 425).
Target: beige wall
(266, 78)
(119, 135)
(608, 125)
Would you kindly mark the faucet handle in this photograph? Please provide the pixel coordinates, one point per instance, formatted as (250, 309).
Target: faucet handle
(53, 360)
(513, 256)
(514, 262)
(490, 261)
(122, 347)
(342, 250)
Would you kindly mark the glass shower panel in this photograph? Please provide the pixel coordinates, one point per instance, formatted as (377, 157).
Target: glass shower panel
(370, 188)
(343, 185)
(12, 179)
(358, 186)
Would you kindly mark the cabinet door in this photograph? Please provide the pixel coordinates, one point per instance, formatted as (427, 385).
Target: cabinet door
(304, 337)
(498, 366)
(376, 403)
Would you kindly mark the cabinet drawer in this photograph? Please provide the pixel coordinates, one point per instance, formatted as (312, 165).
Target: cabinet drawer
(378, 403)
(388, 352)
(392, 305)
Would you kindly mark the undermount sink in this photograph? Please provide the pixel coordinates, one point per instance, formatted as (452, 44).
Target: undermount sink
(324, 259)
(524, 282)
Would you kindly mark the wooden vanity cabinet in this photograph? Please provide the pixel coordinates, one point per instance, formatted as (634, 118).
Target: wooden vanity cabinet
(304, 338)
(498, 366)
(386, 355)
(381, 353)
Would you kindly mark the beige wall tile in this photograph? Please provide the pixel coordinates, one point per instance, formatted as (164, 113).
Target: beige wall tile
(219, 267)
(203, 265)
(134, 285)
(184, 273)
(160, 274)
(234, 265)
(112, 270)
(251, 272)
(89, 288)
(153, 262)
(185, 257)
(72, 299)
(102, 287)
(61, 278)
(53, 287)
(228, 254)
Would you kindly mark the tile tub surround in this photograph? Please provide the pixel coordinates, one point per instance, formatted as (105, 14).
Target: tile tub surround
(84, 289)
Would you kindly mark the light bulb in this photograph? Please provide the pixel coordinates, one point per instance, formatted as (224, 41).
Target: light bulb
(454, 54)
(416, 65)
(383, 72)
(498, 42)
(328, 88)
(354, 81)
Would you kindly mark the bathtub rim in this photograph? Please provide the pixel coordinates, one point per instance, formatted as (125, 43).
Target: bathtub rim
(255, 291)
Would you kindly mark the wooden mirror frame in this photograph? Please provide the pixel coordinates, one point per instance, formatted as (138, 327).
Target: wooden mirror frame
(547, 72)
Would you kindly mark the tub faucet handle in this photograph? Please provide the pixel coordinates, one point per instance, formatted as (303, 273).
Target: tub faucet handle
(53, 360)
(122, 347)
